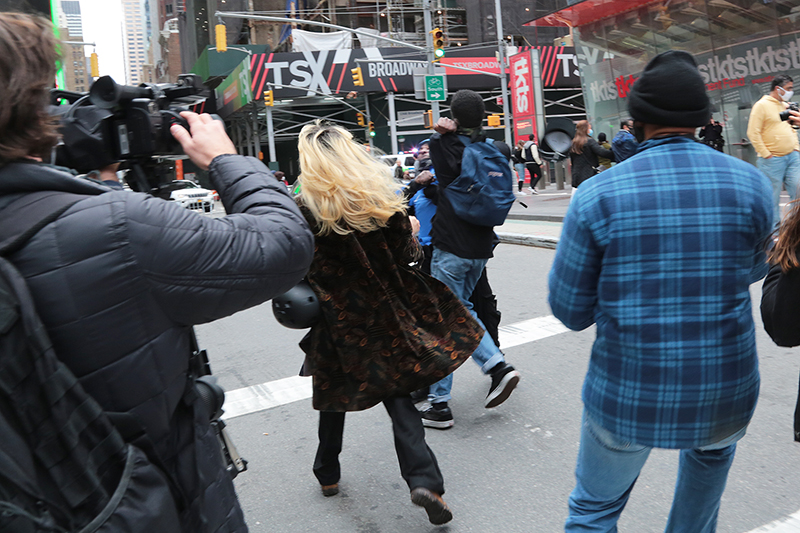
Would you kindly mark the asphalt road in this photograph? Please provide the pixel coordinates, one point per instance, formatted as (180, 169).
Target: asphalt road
(509, 469)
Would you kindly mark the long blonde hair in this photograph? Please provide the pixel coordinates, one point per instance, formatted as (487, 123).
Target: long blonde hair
(344, 187)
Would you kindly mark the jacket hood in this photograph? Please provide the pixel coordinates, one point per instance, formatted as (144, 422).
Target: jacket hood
(30, 176)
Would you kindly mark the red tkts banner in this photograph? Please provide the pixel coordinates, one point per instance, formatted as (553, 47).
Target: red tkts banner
(522, 99)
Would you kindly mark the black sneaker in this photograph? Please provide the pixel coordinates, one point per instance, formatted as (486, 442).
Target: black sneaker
(504, 380)
(437, 417)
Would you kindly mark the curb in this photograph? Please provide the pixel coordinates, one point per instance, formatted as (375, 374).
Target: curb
(541, 218)
(539, 241)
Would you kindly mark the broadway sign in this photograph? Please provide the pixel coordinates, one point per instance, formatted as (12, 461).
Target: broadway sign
(298, 74)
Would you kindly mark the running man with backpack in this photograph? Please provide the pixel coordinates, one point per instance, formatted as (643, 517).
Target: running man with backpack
(463, 232)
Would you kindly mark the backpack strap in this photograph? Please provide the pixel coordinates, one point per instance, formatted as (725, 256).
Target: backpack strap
(25, 217)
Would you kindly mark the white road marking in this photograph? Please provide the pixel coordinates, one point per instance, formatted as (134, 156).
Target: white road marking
(249, 400)
(788, 524)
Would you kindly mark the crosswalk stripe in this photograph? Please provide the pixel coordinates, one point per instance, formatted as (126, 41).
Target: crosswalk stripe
(787, 524)
(264, 396)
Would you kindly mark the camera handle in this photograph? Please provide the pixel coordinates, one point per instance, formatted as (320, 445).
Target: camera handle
(200, 370)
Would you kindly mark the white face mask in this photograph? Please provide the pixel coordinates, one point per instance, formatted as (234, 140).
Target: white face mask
(787, 95)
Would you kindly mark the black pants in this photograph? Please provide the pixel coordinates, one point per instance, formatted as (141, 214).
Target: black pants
(418, 465)
(535, 171)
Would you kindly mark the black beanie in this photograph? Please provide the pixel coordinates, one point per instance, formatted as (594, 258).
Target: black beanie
(467, 108)
(670, 92)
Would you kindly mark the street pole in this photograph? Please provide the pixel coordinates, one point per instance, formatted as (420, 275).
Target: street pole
(257, 130)
(369, 119)
(270, 135)
(426, 11)
(392, 121)
(501, 45)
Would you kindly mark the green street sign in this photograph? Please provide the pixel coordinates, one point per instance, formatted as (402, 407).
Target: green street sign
(434, 88)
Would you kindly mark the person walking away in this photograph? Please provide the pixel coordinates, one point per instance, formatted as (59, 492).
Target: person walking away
(775, 141)
(585, 153)
(518, 157)
(460, 253)
(386, 328)
(624, 144)
(604, 162)
(122, 323)
(533, 163)
(663, 268)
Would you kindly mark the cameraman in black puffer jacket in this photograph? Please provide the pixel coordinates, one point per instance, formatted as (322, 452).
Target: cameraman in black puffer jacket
(120, 278)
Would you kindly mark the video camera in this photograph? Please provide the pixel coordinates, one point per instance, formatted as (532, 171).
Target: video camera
(120, 123)
(786, 114)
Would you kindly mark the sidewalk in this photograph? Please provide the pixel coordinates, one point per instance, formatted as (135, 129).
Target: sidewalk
(535, 219)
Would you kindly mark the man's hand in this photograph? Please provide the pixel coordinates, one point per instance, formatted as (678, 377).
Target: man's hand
(206, 141)
(445, 125)
(424, 178)
(794, 118)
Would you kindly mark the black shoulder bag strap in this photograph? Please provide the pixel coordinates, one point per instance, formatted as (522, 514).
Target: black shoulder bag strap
(25, 217)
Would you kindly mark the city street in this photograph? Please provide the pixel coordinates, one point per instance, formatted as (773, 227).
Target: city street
(508, 469)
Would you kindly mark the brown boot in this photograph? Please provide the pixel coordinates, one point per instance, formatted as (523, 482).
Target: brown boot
(330, 490)
(438, 512)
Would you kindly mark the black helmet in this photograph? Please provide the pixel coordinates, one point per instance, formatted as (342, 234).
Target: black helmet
(297, 308)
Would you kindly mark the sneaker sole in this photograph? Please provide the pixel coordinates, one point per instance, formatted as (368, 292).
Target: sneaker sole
(503, 391)
(438, 424)
(438, 512)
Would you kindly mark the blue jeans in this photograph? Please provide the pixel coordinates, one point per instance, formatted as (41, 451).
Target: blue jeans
(520, 168)
(461, 275)
(782, 171)
(607, 470)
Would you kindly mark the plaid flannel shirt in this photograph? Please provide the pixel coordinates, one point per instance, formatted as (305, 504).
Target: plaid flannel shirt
(659, 252)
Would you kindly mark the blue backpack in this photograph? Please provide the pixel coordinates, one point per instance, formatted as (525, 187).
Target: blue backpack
(483, 193)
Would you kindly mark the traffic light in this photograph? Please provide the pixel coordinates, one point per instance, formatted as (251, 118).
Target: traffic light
(494, 121)
(222, 40)
(371, 129)
(360, 118)
(95, 65)
(358, 77)
(438, 43)
(269, 98)
(428, 118)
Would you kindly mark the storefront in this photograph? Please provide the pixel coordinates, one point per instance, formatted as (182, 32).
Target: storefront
(739, 46)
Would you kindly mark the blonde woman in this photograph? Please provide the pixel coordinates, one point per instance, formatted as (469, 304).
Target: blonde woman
(386, 328)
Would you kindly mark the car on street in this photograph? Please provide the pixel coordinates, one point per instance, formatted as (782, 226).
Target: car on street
(186, 193)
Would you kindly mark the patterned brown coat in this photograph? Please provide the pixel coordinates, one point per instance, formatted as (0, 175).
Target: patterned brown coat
(386, 328)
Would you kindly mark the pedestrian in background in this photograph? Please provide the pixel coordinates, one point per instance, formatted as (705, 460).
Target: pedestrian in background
(533, 163)
(585, 154)
(625, 143)
(711, 135)
(775, 141)
(386, 328)
(518, 157)
(660, 253)
(605, 162)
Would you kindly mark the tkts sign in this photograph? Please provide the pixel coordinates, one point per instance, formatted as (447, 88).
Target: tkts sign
(522, 98)
(328, 71)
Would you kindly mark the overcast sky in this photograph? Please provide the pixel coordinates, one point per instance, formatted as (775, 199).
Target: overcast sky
(102, 24)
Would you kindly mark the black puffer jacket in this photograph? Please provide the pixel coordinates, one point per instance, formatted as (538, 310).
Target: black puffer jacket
(120, 278)
(584, 164)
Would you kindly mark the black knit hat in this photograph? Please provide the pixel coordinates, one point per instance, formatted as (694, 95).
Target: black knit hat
(467, 108)
(670, 92)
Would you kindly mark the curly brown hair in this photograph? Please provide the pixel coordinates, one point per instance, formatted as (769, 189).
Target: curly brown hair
(787, 246)
(28, 54)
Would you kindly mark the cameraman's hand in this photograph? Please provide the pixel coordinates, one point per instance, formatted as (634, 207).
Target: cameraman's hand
(206, 141)
(794, 118)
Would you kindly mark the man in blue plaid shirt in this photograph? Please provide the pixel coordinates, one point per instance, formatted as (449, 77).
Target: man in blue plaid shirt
(659, 252)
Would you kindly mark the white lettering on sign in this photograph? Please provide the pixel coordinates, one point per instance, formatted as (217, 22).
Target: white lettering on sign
(394, 68)
(521, 87)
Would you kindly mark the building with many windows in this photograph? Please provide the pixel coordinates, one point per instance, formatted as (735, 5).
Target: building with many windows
(134, 44)
(77, 74)
(739, 46)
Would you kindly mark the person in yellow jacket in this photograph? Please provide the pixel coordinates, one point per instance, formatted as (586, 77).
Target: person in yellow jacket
(775, 141)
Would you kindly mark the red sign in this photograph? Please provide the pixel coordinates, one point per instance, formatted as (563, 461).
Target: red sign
(522, 100)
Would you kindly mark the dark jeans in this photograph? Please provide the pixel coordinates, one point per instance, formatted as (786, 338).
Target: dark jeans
(535, 171)
(418, 465)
